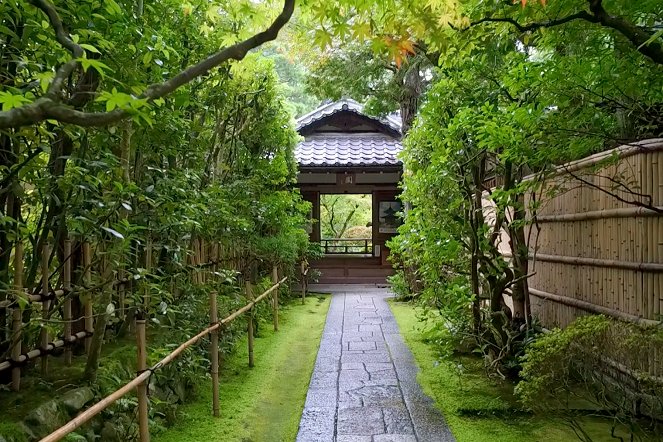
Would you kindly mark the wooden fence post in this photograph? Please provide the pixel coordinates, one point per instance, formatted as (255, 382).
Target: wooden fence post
(66, 285)
(45, 304)
(148, 268)
(17, 320)
(87, 308)
(141, 390)
(275, 313)
(249, 296)
(214, 350)
(303, 271)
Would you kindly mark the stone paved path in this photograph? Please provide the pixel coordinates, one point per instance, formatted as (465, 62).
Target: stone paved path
(363, 387)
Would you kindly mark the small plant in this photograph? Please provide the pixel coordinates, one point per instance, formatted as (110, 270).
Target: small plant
(575, 370)
(400, 286)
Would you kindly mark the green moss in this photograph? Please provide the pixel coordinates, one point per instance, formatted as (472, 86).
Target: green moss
(264, 403)
(479, 408)
(11, 429)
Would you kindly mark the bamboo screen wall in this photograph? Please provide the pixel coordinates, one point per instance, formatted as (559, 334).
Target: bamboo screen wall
(596, 252)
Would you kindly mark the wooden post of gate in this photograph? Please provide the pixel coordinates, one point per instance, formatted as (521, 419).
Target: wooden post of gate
(45, 304)
(214, 350)
(87, 308)
(66, 285)
(141, 390)
(17, 321)
(275, 280)
(249, 296)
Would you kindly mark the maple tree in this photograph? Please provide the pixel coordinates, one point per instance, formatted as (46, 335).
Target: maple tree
(387, 24)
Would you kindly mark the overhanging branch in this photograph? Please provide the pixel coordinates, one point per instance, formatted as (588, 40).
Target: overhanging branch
(50, 106)
(582, 15)
(639, 37)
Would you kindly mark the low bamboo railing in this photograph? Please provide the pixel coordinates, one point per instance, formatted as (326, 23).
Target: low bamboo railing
(44, 301)
(140, 382)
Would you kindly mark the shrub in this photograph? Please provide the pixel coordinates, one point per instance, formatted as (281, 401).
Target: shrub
(596, 363)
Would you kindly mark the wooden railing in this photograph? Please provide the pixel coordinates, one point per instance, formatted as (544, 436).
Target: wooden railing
(347, 246)
(140, 382)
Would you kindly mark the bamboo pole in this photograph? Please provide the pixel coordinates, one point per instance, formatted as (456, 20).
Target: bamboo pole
(302, 268)
(610, 263)
(275, 301)
(214, 350)
(249, 296)
(121, 293)
(45, 305)
(583, 305)
(66, 285)
(148, 268)
(623, 212)
(17, 321)
(87, 307)
(198, 270)
(141, 390)
(38, 352)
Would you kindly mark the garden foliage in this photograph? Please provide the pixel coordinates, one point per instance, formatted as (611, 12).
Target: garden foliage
(210, 161)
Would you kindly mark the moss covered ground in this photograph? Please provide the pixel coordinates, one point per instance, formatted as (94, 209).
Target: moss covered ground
(264, 403)
(479, 408)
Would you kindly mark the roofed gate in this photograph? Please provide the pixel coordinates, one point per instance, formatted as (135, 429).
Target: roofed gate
(346, 151)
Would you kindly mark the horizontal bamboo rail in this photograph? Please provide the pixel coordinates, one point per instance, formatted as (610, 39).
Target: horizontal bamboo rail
(145, 375)
(38, 352)
(54, 294)
(596, 262)
(625, 212)
(587, 306)
(624, 151)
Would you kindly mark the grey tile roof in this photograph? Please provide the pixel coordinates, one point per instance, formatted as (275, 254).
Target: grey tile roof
(336, 149)
(340, 106)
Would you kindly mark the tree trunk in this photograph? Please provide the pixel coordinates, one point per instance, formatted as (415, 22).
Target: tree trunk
(519, 252)
(410, 94)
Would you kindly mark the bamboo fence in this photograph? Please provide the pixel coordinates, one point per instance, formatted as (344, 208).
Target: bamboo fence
(140, 382)
(595, 240)
(55, 305)
(600, 251)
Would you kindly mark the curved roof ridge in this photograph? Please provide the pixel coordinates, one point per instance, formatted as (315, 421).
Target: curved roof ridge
(345, 104)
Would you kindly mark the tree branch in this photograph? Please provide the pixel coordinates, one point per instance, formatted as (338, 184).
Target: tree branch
(50, 107)
(639, 37)
(633, 202)
(62, 37)
(60, 34)
(582, 15)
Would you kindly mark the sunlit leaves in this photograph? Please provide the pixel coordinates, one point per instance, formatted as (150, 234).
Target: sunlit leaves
(10, 101)
(115, 100)
(361, 31)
